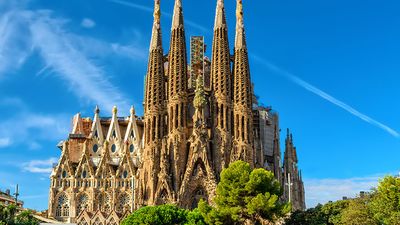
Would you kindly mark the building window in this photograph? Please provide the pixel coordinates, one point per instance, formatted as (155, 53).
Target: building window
(132, 135)
(123, 203)
(64, 174)
(125, 174)
(113, 148)
(113, 134)
(95, 148)
(84, 174)
(62, 209)
(131, 148)
(82, 204)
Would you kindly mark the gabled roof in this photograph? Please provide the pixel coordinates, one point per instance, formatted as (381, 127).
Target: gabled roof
(104, 162)
(85, 162)
(64, 161)
(126, 161)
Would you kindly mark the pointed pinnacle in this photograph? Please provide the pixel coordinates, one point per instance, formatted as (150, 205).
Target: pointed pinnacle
(177, 18)
(132, 111)
(97, 110)
(157, 11)
(115, 110)
(220, 20)
(239, 11)
(240, 41)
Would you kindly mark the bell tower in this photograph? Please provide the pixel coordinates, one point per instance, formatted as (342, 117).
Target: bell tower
(154, 114)
(221, 88)
(177, 96)
(242, 95)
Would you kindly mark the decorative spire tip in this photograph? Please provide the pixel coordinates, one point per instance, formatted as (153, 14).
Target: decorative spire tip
(97, 110)
(132, 111)
(157, 11)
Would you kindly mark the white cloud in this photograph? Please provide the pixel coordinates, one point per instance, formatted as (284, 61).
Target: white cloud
(309, 87)
(14, 47)
(20, 127)
(85, 78)
(76, 59)
(88, 23)
(39, 166)
(5, 142)
(324, 190)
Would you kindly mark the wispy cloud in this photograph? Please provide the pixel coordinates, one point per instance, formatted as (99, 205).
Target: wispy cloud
(148, 9)
(311, 88)
(324, 190)
(5, 142)
(39, 166)
(14, 48)
(88, 23)
(18, 129)
(74, 58)
(86, 79)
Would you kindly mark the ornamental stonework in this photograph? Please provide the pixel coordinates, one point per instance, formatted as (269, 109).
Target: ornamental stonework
(197, 119)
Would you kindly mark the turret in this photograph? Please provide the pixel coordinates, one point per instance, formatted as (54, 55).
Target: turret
(242, 94)
(221, 87)
(155, 84)
(177, 72)
(277, 155)
(177, 95)
(292, 176)
(154, 115)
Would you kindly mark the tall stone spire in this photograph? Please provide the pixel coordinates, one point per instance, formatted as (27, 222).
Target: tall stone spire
(277, 155)
(291, 171)
(221, 86)
(177, 95)
(155, 83)
(242, 95)
(154, 119)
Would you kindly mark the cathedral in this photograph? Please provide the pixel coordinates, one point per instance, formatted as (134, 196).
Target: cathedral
(199, 116)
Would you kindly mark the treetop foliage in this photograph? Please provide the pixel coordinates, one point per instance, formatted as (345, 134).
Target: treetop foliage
(243, 196)
(380, 207)
(9, 215)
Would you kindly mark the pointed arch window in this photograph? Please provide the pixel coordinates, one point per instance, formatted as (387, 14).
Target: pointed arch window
(114, 134)
(62, 209)
(82, 204)
(132, 134)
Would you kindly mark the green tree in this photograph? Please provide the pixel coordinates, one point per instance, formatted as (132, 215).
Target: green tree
(332, 212)
(156, 215)
(358, 213)
(245, 196)
(9, 216)
(164, 215)
(385, 203)
(312, 216)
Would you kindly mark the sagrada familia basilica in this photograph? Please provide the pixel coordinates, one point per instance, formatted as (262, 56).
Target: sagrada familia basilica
(198, 118)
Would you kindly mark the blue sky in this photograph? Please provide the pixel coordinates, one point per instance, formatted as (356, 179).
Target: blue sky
(330, 68)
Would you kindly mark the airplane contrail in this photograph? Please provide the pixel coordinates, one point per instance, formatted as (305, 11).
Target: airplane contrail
(311, 88)
(150, 10)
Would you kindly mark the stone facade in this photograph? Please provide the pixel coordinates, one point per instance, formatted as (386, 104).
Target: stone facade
(197, 119)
